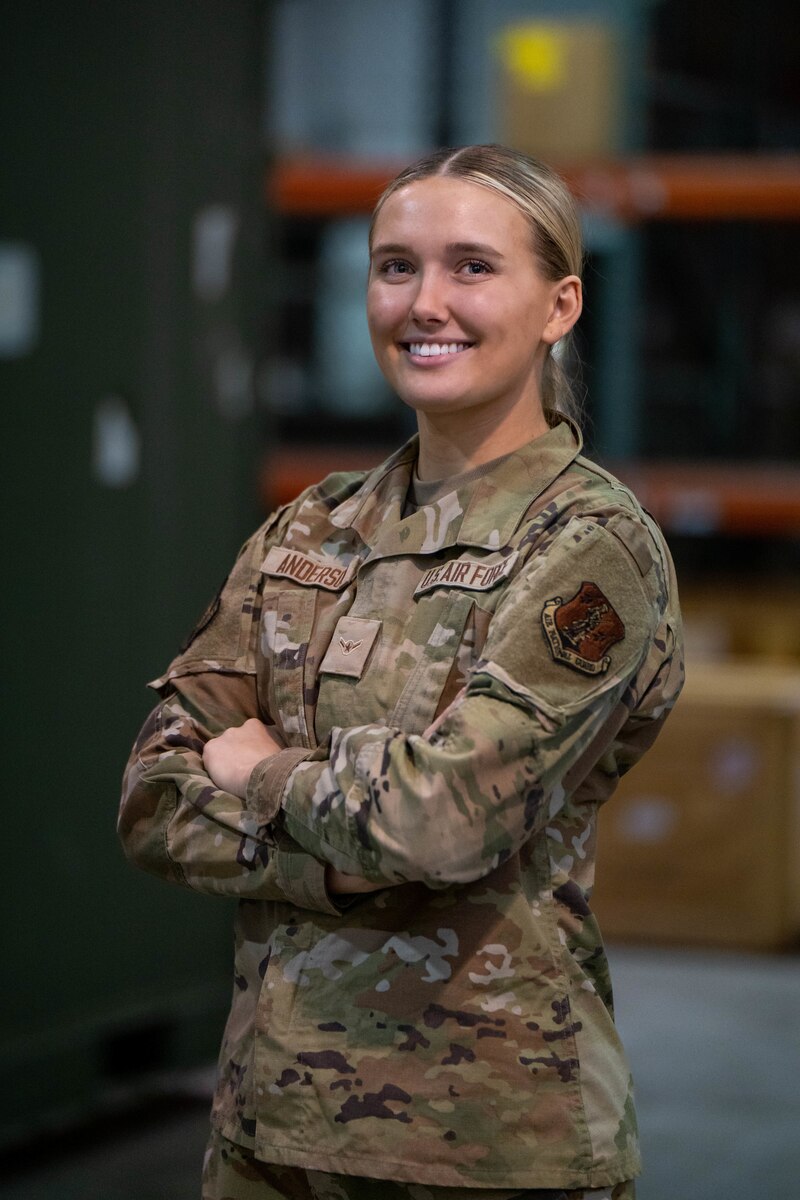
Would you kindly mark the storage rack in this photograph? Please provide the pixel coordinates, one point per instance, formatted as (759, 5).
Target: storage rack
(686, 497)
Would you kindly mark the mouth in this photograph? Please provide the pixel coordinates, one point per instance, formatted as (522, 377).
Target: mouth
(435, 349)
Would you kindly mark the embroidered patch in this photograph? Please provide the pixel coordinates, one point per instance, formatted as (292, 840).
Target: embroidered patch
(583, 630)
(352, 640)
(291, 564)
(475, 574)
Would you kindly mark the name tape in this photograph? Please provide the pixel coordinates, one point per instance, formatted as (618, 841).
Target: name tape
(291, 564)
(476, 574)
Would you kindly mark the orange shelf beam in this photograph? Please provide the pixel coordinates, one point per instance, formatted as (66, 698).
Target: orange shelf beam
(744, 499)
(647, 188)
(286, 473)
(698, 498)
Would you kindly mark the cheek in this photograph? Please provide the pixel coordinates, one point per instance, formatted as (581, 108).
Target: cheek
(384, 310)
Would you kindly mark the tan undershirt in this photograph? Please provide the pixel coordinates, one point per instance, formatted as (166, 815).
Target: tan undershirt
(428, 491)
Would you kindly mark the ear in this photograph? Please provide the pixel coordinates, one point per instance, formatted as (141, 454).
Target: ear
(567, 303)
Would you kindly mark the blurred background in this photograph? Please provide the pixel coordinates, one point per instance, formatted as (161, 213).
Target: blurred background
(185, 198)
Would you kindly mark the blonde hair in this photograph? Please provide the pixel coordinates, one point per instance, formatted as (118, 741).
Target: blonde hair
(547, 205)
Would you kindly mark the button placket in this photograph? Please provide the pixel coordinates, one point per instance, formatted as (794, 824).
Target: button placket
(292, 621)
(416, 707)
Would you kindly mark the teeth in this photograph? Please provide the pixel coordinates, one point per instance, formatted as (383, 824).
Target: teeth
(429, 349)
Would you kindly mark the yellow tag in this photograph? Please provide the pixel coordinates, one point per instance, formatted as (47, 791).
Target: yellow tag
(535, 55)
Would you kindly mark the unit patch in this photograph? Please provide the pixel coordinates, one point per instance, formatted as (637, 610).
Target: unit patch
(476, 574)
(291, 564)
(582, 630)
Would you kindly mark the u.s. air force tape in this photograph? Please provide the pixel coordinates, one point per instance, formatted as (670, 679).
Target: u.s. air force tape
(476, 574)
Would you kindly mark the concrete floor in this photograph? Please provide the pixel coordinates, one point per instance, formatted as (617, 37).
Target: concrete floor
(714, 1042)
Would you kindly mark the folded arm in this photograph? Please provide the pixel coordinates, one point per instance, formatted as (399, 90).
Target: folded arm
(449, 805)
(174, 821)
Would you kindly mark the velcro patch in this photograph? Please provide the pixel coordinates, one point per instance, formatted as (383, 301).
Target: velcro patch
(291, 564)
(352, 640)
(475, 574)
(205, 620)
(583, 629)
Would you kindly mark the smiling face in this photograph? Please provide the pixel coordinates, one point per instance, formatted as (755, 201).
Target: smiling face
(459, 311)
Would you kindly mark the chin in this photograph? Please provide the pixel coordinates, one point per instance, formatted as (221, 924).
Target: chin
(432, 405)
(431, 398)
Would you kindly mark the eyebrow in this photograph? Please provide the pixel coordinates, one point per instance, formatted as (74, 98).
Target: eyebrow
(475, 248)
(452, 247)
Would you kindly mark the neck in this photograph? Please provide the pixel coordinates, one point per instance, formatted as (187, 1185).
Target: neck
(451, 443)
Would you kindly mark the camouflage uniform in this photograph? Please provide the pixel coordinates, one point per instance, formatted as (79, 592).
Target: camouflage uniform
(459, 690)
(232, 1173)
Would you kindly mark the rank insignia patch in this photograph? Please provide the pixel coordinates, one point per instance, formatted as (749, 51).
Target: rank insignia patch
(352, 641)
(582, 630)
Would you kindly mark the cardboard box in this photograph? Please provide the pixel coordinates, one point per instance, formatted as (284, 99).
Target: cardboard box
(558, 89)
(739, 618)
(701, 842)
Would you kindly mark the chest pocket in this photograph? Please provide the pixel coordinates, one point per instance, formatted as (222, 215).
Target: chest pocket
(409, 666)
(287, 622)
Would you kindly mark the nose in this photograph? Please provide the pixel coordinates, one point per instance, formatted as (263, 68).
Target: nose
(430, 305)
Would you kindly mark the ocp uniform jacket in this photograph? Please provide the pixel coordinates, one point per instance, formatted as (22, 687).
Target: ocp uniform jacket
(459, 690)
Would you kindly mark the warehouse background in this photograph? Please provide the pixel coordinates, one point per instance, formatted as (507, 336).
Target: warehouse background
(182, 256)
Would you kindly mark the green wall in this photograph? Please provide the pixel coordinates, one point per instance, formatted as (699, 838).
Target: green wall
(120, 124)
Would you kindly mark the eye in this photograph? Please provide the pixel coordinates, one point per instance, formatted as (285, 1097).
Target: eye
(395, 267)
(476, 266)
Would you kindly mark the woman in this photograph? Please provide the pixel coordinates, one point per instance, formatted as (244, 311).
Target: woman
(391, 734)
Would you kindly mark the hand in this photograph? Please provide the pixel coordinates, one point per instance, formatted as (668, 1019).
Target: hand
(339, 884)
(230, 758)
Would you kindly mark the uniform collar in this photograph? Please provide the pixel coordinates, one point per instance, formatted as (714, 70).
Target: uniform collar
(483, 514)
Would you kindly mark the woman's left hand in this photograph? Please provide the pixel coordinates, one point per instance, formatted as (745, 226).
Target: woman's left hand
(230, 758)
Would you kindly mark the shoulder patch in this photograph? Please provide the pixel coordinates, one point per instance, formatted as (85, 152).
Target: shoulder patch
(583, 629)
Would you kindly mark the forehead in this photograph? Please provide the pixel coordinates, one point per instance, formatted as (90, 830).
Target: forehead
(456, 209)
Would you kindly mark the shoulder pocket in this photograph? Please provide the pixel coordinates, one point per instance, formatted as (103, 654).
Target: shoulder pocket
(575, 625)
(223, 638)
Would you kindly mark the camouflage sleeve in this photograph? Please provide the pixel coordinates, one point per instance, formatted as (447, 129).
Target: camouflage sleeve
(173, 821)
(555, 685)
